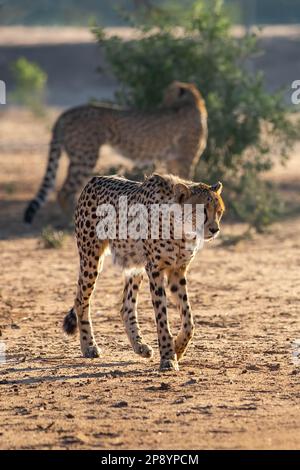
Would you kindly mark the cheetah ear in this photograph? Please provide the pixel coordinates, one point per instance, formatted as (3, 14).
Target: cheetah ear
(181, 92)
(217, 188)
(182, 192)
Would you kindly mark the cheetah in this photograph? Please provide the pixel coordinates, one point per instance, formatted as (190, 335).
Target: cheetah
(165, 260)
(174, 134)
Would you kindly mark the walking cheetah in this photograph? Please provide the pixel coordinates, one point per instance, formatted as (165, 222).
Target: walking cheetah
(175, 134)
(161, 258)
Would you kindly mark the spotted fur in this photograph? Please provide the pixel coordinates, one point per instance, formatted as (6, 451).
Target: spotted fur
(175, 135)
(70, 322)
(162, 259)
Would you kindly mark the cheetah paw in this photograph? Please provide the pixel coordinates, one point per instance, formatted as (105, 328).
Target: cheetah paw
(168, 364)
(180, 354)
(92, 351)
(142, 349)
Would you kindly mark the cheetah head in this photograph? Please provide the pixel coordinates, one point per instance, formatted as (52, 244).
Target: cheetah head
(210, 197)
(179, 94)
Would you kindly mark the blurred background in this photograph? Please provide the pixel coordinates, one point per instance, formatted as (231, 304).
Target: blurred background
(56, 35)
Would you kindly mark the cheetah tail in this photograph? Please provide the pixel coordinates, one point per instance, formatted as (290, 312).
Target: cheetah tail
(49, 178)
(70, 322)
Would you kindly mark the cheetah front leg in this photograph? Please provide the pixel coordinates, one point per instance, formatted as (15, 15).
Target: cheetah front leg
(168, 359)
(129, 315)
(177, 283)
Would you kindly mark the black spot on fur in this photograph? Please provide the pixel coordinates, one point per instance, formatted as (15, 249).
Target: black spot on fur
(70, 322)
(159, 292)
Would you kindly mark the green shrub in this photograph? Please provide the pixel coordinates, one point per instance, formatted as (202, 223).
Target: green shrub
(256, 201)
(10, 187)
(51, 238)
(30, 85)
(245, 123)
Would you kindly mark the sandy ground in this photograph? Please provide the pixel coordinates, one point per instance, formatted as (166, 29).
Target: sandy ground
(239, 384)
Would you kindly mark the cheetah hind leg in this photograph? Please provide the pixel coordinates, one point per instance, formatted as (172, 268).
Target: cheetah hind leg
(80, 169)
(129, 316)
(67, 203)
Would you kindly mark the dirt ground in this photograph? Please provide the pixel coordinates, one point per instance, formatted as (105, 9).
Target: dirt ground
(239, 384)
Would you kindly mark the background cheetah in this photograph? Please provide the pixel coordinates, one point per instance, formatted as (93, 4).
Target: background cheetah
(176, 134)
(161, 258)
